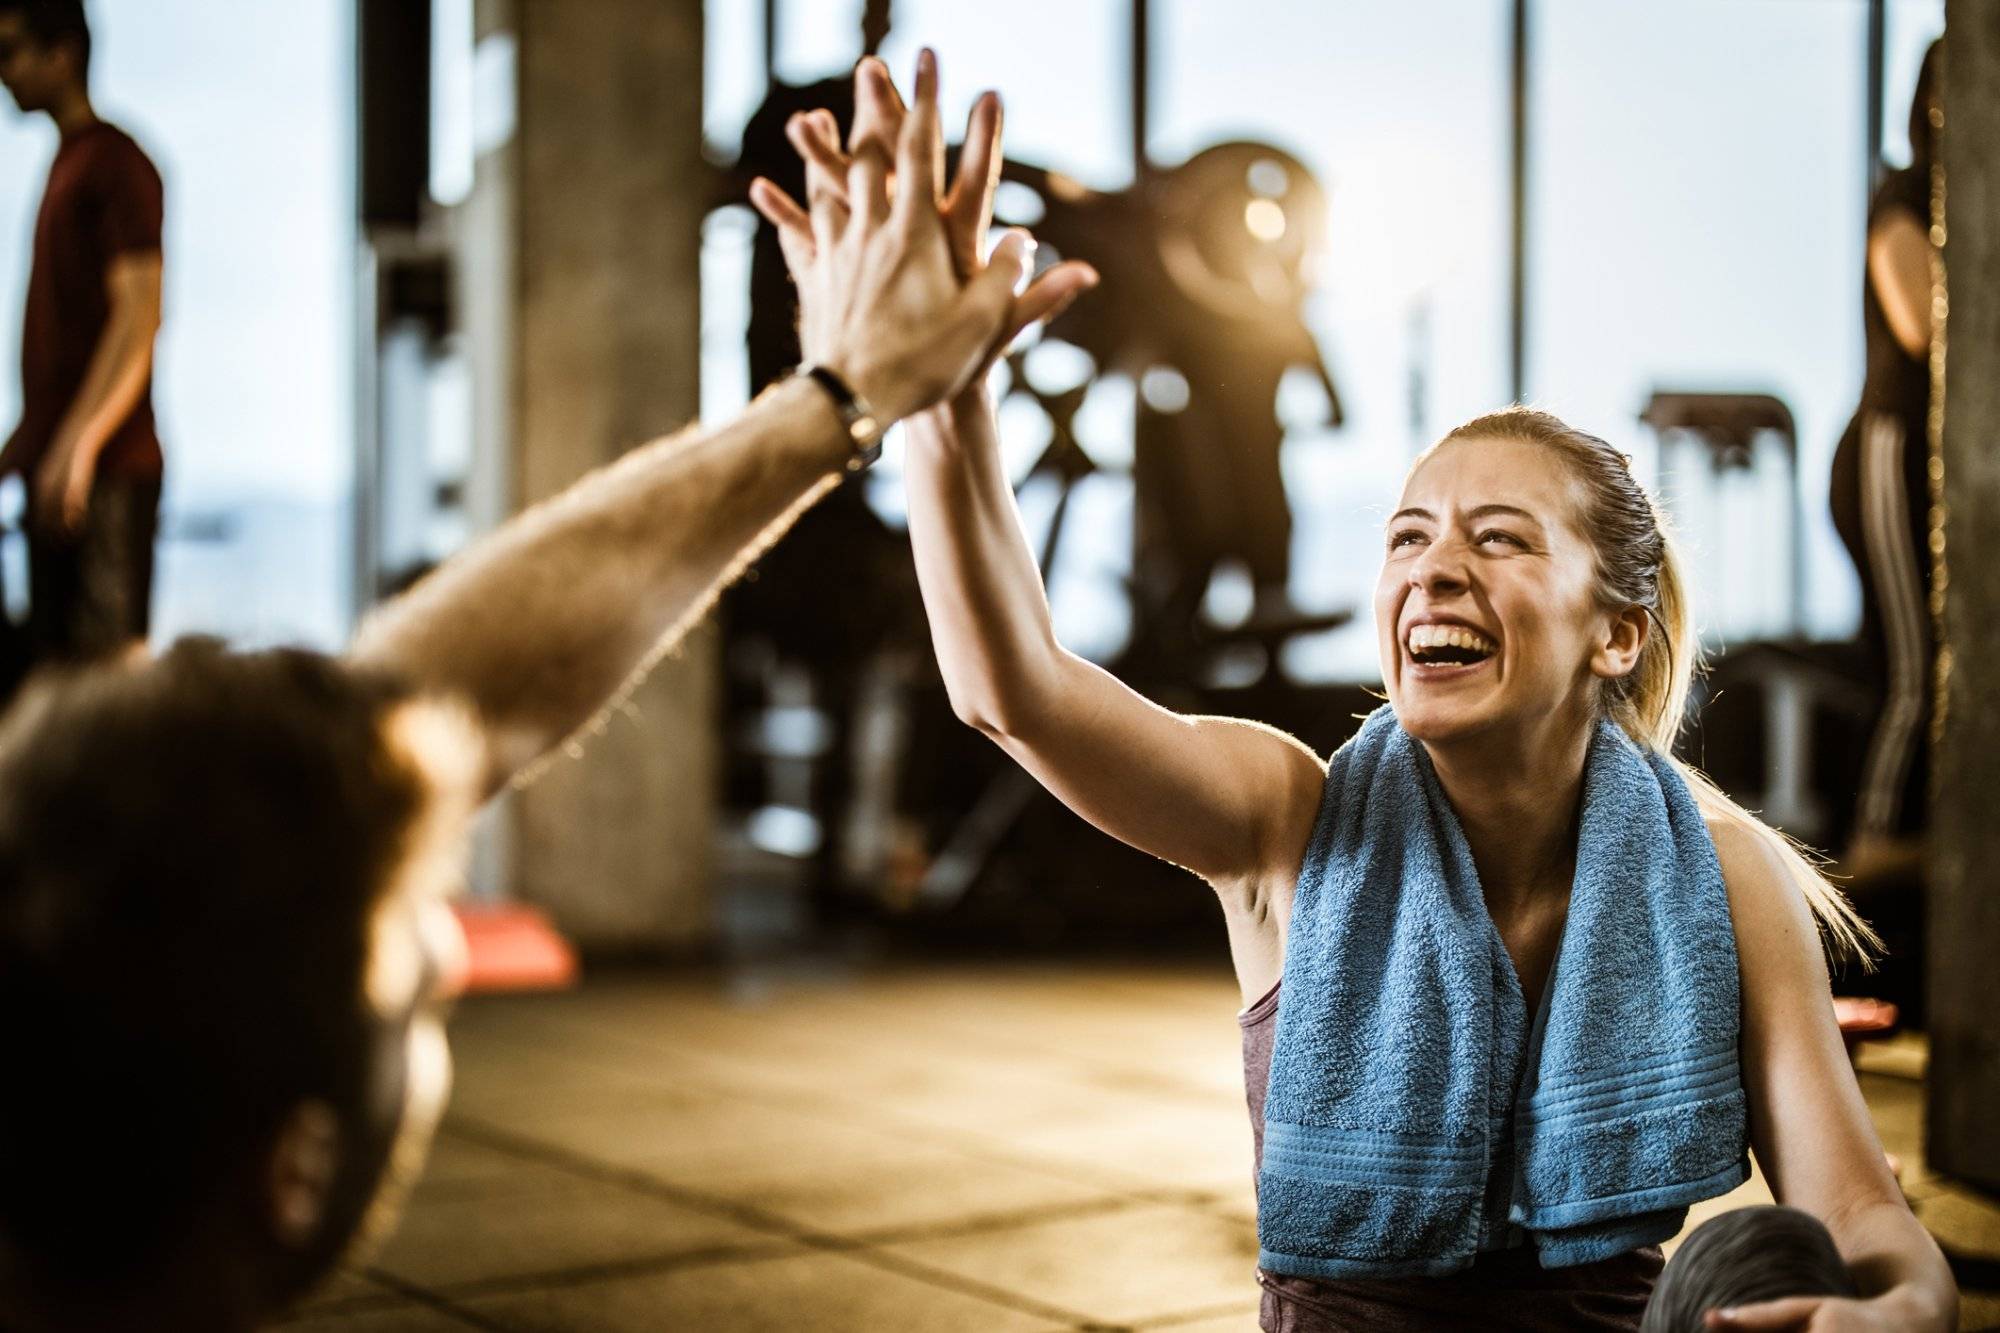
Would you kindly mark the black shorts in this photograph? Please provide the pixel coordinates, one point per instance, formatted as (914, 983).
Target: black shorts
(92, 594)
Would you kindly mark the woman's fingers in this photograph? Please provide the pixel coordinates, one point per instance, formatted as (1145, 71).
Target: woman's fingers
(817, 139)
(1050, 294)
(826, 176)
(968, 208)
(1793, 1312)
(778, 208)
(993, 287)
(793, 224)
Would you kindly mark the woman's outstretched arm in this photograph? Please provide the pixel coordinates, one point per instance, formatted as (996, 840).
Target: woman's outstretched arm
(1808, 1124)
(1231, 800)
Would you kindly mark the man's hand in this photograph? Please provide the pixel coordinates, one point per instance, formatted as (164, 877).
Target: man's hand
(62, 488)
(547, 623)
(113, 384)
(848, 191)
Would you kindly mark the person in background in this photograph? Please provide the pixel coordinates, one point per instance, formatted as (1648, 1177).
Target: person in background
(85, 445)
(224, 947)
(1880, 495)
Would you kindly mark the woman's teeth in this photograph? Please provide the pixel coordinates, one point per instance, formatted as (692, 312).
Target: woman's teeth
(1448, 644)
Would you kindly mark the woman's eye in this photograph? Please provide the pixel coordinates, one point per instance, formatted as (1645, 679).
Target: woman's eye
(1498, 535)
(1406, 537)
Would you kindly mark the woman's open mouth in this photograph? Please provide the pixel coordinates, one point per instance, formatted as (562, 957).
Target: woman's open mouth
(1444, 651)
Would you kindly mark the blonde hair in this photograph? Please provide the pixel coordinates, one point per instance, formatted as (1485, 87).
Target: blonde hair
(1637, 566)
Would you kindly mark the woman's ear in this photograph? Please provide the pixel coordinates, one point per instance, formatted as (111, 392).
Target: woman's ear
(305, 1160)
(1625, 638)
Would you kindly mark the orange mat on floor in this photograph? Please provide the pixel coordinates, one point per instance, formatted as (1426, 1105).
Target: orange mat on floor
(513, 947)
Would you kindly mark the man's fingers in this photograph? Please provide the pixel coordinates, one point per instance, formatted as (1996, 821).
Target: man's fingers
(878, 124)
(979, 156)
(886, 85)
(1794, 1312)
(868, 183)
(935, 135)
(800, 253)
(969, 207)
(864, 127)
(920, 149)
(878, 109)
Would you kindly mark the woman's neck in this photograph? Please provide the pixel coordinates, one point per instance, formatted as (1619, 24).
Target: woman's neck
(1516, 798)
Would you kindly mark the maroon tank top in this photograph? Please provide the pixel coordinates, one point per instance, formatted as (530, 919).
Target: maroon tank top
(1504, 1289)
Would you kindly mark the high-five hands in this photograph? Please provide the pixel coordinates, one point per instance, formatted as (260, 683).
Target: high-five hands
(893, 290)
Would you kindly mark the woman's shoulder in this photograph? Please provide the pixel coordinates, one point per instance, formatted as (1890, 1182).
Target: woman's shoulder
(1753, 865)
(1769, 913)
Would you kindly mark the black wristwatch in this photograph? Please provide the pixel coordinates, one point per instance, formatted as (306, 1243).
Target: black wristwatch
(864, 428)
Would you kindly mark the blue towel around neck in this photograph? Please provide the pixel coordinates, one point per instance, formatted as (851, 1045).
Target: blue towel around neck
(1416, 1113)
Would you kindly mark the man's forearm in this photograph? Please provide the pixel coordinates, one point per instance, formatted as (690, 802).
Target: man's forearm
(553, 617)
(112, 384)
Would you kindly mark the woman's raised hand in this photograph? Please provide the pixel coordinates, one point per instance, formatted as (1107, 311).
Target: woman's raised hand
(892, 167)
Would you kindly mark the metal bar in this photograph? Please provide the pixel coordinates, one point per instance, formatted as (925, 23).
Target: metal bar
(1517, 320)
(1962, 1100)
(1877, 76)
(365, 565)
(1142, 81)
(770, 43)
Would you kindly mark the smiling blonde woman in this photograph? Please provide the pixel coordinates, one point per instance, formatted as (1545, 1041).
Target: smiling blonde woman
(1521, 986)
(1527, 595)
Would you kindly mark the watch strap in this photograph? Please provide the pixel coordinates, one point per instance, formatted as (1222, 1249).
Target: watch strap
(864, 428)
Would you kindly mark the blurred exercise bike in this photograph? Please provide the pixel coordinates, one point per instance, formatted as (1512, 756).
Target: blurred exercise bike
(1206, 268)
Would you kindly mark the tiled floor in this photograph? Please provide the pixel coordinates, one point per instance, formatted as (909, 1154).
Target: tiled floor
(962, 1148)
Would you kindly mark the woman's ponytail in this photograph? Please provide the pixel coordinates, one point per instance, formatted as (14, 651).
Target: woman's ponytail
(1659, 706)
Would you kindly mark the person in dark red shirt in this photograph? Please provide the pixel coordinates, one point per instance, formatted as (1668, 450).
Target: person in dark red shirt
(85, 444)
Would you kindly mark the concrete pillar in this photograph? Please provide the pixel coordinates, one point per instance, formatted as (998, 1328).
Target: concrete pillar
(1964, 1106)
(580, 250)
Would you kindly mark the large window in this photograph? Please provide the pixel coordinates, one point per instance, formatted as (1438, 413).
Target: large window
(1063, 69)
(1696, 223)
(1696, 182)
(244, 108)
(1400, 111)
(1908, 29)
